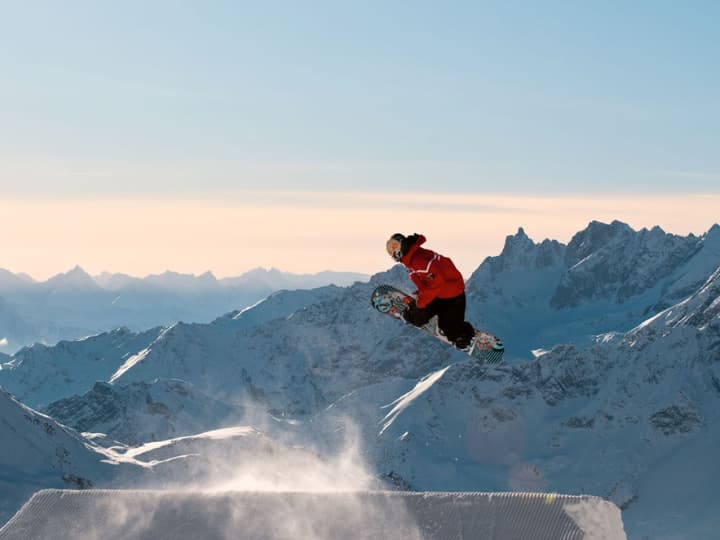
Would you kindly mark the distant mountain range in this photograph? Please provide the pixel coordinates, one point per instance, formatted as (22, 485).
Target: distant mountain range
(75, 304)
(611, 386)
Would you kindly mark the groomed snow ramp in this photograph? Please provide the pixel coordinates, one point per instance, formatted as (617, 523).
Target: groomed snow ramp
(175, 515)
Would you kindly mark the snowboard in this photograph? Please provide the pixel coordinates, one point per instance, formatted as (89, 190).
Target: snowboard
(391, 301)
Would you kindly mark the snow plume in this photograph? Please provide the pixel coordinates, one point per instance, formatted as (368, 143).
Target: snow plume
(251, 482)
(4, 342)
(264, 464)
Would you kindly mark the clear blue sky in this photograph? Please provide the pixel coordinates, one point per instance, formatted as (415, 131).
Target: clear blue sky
(142, 97)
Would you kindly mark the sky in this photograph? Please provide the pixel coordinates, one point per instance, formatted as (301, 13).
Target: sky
(143, 136)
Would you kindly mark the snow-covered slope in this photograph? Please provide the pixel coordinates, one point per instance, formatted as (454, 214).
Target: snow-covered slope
(40, 374)
(700, 310)
(36, 452)
(142, 412)
(629, 416)
(273, 353)
(636, 420)
(286, 351)
(613, 420)
(294, 364)
(277, 306)
(298, 364)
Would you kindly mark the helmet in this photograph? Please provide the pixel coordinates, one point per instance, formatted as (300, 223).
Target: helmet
(394, 246)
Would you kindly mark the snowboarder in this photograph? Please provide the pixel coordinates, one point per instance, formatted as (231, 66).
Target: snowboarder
(441, 288)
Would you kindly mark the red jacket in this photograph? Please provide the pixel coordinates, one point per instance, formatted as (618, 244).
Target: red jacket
(434, 275)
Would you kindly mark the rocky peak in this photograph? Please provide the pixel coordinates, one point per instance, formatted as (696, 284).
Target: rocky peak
(712, 237)
(520, 253)
(595, 236)
(517, 244)
(616, 262)
(549, 253)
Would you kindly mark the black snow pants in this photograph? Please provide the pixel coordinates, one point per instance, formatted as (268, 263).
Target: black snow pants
(451, 319)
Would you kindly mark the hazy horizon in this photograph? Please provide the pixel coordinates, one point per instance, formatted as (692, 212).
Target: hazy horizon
(167, 271)
(465, 228)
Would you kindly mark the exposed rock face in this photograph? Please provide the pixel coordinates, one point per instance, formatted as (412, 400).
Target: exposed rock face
(144, 411)
(615, 262)
(609, 278)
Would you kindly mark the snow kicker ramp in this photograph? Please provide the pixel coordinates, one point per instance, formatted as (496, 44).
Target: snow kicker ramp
(173, 515)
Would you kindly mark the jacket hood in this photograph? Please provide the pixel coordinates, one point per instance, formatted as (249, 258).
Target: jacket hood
(414, 242)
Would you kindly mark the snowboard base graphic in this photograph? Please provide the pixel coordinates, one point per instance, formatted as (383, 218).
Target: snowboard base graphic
(391, 301)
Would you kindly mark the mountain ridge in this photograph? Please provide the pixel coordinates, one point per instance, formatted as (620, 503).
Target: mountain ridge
(620, 415)
(73, 304)
(609, 278)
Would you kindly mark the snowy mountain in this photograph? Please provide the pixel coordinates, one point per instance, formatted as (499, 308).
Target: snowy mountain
(278, 361)
(143, 412)
(614, 261)
(628, 412)
(286, 350)
(630, 419)
(74, 304)
(40, 374)
(278, 306)
(608, 278)
(297, 364)
(37, 451)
